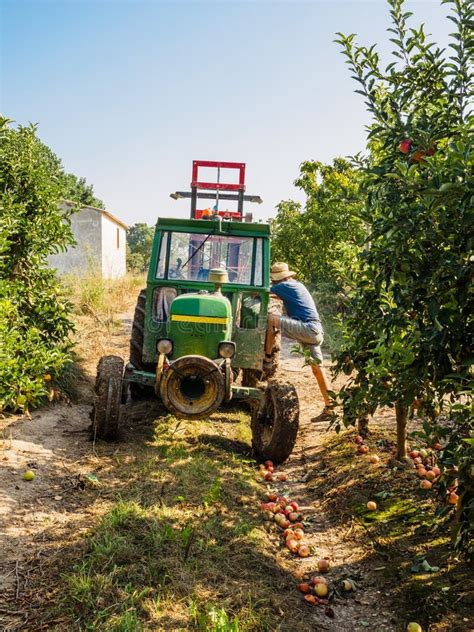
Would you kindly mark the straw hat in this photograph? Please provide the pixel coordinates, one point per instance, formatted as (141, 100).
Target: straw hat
(280, 271)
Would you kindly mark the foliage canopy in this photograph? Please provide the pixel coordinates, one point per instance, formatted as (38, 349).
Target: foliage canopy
(410, 315)
(34, 316)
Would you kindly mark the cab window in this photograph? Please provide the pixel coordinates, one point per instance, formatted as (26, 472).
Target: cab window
(190, 256)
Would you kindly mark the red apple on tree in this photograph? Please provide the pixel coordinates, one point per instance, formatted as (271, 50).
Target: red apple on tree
(405, 146)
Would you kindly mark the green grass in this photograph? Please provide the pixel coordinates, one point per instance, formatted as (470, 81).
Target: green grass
(184, 546)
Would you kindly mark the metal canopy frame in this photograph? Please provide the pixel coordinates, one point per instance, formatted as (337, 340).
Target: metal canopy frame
(198, 185)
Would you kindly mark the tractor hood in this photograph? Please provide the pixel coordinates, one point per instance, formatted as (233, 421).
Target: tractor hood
(198, 322)
(204, 308)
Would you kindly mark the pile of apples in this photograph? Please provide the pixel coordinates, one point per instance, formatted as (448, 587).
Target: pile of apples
(424, 462)
(315, 591)
(362, 448)
(284, 513)
(267, 472)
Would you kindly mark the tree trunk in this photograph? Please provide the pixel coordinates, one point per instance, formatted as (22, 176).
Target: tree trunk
(363, 425)
(401, 413)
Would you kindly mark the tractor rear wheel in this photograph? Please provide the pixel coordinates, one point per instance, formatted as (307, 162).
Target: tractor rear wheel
(137, 391)
(275, 422)
(108, 395)
(251, 377)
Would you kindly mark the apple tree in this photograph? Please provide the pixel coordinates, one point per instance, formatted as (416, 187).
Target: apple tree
(409, 322)
(34, 314)
(322, 240)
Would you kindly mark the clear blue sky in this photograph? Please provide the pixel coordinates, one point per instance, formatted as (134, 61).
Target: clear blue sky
(128, 93)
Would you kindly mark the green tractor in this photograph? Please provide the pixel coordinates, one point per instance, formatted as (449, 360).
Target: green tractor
(199, 327)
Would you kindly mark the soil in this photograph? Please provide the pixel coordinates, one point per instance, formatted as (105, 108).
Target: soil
(41, 519)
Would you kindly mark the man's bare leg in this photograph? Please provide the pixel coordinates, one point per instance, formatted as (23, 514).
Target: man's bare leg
(317, 369)
(273, 323)
(323, 383)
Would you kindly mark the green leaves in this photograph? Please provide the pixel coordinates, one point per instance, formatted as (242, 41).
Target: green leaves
(34, 318)
(322, 240)
(408, 323)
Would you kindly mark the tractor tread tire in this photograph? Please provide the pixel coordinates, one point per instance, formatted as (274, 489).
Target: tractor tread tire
(252, 377)
(275, 422)
(137, 391)
(108, 396)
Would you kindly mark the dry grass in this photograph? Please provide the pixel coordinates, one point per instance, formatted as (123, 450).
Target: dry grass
(103, 299)
(99, 306)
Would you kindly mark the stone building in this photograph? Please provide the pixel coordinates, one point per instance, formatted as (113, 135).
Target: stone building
(101, 245)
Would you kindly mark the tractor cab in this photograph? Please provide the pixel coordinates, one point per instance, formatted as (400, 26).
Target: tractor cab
(199, 329)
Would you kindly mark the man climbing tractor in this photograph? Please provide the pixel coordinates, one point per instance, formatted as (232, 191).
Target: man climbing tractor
(302, 323)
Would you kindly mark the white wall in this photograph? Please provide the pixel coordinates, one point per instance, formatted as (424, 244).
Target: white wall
(87, 254)
(113, 248)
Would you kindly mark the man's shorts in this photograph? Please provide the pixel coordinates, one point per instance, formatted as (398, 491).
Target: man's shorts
(309, 334)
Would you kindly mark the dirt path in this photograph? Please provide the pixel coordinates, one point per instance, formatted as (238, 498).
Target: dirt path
(329, 540)
(42, 519)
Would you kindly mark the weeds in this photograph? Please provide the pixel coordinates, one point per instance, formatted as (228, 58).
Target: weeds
(100, 298)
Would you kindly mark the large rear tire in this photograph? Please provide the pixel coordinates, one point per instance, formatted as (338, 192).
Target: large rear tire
(108, 395)
(251, 377)
(137, 391)
(275, 422)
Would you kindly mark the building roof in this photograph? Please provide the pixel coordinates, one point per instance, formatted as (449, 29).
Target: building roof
(102, 211)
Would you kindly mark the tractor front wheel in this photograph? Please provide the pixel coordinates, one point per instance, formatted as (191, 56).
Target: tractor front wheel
(108, 395)
(275, 422)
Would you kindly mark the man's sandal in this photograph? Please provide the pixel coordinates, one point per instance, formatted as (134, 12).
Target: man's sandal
(326, 414)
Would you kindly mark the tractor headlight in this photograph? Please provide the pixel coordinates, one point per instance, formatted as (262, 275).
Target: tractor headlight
(164, 346)
(226, 349)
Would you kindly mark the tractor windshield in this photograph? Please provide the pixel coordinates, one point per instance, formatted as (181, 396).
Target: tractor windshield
(190, 256)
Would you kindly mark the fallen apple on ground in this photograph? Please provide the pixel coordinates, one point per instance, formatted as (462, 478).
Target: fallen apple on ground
(362, 449)
(374, 458)
(414, 627)
(304, 588)
(371, 505)
(453, 498)
(303, 550)
(319, 580)
(299, 534)
(323, 566)
(348, 585)
(29, 475)
(426, 484)
(321, 590)
(311, 599)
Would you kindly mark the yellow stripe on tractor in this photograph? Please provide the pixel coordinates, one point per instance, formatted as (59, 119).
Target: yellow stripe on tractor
(212, 320)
